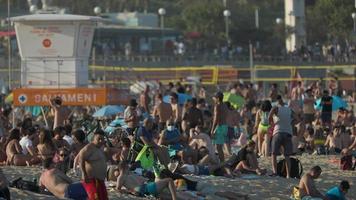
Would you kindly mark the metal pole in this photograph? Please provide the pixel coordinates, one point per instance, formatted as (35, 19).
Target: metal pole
(257, 18)
(252, 75)
(227, 29)
(162, 34)
(354, 24)
(9, 42)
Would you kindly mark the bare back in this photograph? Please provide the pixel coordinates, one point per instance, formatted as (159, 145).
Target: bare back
(54, 182)
(164, 111)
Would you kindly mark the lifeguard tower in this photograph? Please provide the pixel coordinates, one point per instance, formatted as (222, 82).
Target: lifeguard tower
(54, 50)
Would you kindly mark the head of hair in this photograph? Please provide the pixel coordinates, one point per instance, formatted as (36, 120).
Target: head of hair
(219, 96)
(45, 137)
(325, 92)
(194, 102)
(46, 163)
(201, 101)
(14, 134)
(68, 129)
(58, 130)
(344, 185)
(26, 123)
(99, 132)
(159, 96)
(126, 142)
(316, 169)
(266, 106)
(174, 95)
(279, 98)
(79, 134)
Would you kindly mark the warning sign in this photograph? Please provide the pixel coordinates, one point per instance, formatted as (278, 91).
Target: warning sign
(71, 96)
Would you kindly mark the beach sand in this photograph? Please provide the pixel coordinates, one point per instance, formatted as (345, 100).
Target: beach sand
(257, 188)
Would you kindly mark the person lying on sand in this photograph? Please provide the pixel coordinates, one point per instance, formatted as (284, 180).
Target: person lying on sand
(4, 190)
(338, 192)
(139, 186)
(59, 184)
(307, 187)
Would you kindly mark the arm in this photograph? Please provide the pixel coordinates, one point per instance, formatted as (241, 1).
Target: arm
(311, 190)
(147, 142)
(271, 114)
(258, 120)
(215, 117)
(82, 156)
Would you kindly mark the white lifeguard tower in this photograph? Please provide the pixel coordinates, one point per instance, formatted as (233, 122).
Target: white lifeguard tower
(54, 50)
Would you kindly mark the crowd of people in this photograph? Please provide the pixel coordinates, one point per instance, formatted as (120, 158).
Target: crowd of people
(162, 141)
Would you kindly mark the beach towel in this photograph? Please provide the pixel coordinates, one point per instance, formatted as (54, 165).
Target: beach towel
(96, 189)
(146, 158)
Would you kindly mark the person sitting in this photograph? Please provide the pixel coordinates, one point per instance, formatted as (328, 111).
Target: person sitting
(139, 186)
(60, 185)
(46, 148)
(14, 151)
(307, 187)
(202, 140)
(333, 141)
(145, 136)
(4, 187)
(246, 160)
(58, 140)
(338, 193)
(26, 142)
(123, 154)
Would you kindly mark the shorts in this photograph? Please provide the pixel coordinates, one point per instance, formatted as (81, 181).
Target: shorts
(326, 117)
(75, 191)
(147, 189)
(5, 193)
(220, 136)
(282, 139)
(203, 170)
(308, 118)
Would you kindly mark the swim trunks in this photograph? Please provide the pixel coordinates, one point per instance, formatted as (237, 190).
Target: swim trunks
(96, 189)
(75, 191)
(220, 136)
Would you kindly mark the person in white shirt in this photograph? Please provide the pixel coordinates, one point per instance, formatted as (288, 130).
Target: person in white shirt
(26, 142)
(68, 131)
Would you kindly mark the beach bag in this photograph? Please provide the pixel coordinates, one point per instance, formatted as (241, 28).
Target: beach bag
(346, 162)
(26, 185)
(296, 168)
(146, 158)
(295, 193)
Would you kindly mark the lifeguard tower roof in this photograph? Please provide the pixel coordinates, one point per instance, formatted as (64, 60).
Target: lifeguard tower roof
(55, 17)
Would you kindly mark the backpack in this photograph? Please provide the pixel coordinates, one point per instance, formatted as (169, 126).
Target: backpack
(346, 162)
(296, 168)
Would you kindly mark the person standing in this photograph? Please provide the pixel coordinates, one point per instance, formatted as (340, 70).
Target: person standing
(326, 103)
(177, 110)
(308, 107)
(283, 118)
(131, 118)
(93, 165)
(219, 128)
(61, 113)
(145, 99)
(162, 112)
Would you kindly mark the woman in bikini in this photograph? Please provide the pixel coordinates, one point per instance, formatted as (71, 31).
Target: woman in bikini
(46, 147)
(262, 125)
(14, 151)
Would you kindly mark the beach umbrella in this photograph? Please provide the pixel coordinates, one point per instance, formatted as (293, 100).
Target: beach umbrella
(182, 98)
(108, 111)
(338, 102)
(236, 101)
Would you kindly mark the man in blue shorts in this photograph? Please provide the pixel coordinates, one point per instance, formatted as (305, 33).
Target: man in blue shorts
(59, 184)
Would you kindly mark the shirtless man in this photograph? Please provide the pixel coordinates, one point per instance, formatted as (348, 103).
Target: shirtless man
(307, 187)
(59, 184)
(162, 112)
(4, 190)
(297, 92)
(131, 118)
(139, 186)
(145, 99)
(219, 128)
(200, 140)
(176, 109)
(93, 165)
(61, 113)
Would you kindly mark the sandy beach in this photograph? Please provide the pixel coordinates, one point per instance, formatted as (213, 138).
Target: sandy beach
(257, 188)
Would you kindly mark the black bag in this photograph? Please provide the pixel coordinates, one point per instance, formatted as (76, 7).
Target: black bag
(26, 185)
(296, 168)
